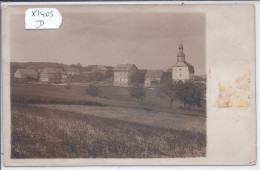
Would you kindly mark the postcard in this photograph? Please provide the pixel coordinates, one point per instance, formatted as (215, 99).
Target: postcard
(128, 84)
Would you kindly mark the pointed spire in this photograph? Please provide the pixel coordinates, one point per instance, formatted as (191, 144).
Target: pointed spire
(180, 47)
(181, 55)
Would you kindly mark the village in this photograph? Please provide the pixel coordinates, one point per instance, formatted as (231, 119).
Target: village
(106, 111)
(127, 84)
(116, 76)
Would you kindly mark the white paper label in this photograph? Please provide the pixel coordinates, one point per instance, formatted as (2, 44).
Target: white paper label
(42, 18)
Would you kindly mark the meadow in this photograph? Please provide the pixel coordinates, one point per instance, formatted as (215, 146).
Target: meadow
(51, 121)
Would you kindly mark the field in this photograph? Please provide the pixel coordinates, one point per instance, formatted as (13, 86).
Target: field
(51, 121)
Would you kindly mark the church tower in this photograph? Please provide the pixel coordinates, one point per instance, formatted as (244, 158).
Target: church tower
(181, 55)
(182, 70)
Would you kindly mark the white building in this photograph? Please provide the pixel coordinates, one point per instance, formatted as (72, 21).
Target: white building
(182, 70)
(122, 74)
(50, 74)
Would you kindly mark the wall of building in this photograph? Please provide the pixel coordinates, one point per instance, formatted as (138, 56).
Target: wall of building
(191, 76)
(121, 78)
(17, 74)
(180, 73)
(44, 77)
(147, 82)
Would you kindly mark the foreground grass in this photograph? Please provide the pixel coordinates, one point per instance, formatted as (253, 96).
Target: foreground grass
(47, 133)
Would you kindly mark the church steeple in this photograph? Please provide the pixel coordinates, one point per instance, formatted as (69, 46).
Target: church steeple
(181, 55)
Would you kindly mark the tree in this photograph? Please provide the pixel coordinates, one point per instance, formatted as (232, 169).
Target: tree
(188, 93)
(138, 92)
(167, 90)
(137, 77)
(109, 72)
(78, 65)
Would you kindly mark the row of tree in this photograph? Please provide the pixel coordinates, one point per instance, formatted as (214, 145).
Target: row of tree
(187, 92)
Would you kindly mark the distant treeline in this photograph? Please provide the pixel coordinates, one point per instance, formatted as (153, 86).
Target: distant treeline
(37, 65)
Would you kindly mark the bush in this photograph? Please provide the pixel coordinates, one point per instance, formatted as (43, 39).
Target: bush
(188, 93)
(138, 92)
(137, 77)
(167, 90)
(93, 90)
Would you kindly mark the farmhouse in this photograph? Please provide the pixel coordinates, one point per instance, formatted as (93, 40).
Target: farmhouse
(99, 68)
(182, 70)
(25, 74)
(50, 74)
(71, 71)
(152, 77)
(122, 74)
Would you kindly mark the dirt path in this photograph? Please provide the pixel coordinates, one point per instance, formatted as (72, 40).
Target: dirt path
(152, 118)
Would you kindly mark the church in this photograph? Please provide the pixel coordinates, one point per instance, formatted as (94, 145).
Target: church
(182, 70)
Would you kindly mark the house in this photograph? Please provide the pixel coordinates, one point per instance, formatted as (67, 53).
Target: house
(152, 77)
(182, 70)
(50, 74)
(122, 74)
(26, 74)
(71, 71)
(99, 68)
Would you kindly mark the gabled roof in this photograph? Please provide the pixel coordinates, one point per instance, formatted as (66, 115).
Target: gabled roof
(153, 74)
(51, 70)
(99, 68)
(185, 64)
(28, 72)
(124, 67)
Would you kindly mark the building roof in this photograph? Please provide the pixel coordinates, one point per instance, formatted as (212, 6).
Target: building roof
(153, 74)
(124, 67)
(185, 64)
(52, 70)
(28, 72)
(99, 68)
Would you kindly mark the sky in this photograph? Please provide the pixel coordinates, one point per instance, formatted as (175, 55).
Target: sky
(148, 39)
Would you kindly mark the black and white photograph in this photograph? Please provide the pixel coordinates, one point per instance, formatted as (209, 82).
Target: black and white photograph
(127, 82)
(123, 85)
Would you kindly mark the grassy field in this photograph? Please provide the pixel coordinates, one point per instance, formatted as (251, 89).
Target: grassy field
(109, 96)
(152, 118)
(57, 122)
(47, 133)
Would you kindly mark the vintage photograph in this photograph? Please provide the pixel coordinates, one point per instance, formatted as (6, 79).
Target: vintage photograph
(128, 84)
(109, 85)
